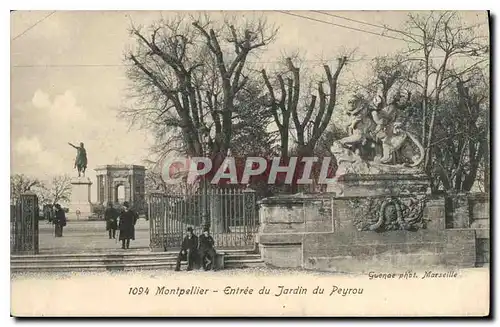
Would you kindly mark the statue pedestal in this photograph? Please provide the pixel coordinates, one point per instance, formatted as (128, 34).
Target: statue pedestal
(80, 207)
(381, 184)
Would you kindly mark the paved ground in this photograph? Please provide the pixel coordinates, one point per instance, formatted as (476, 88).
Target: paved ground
(85, 236)
(91, 236)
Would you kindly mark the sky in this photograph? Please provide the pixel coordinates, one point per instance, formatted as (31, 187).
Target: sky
(67, 78)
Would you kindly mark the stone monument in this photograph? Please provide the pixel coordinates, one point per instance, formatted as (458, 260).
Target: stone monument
(378, 215)
(378, 156)
(80, 207)
(130, 177)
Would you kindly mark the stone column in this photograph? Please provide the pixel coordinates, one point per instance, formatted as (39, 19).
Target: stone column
(102, 188)
(128, 193)
(132, 188)
(111, 196)
(98, 189)
(114, 193)
(106, 189)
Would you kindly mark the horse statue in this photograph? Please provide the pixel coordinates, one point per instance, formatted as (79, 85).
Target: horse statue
(81, 159)
(377, 137)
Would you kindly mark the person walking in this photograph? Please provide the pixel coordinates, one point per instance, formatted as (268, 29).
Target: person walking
(111, 217)
(128, 219)
(59, 220)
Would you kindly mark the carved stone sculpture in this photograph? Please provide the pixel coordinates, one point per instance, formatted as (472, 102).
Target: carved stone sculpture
(376, 142)
(392, 213)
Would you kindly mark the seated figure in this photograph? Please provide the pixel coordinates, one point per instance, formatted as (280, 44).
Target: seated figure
(207, 251)
(188, 250)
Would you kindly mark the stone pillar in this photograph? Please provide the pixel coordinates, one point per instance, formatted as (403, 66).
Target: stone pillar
(128, 190)
(114, 192)
(157, 235)
(458, 211)
(24, 227)
(282, 224)
(214, 199)
(132, 188)
(80, 207)
(106, 189)
(98, 189)
(100, 194)
(111, 184)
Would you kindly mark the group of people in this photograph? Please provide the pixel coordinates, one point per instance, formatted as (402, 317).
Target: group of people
(196, 249)
(123, 221)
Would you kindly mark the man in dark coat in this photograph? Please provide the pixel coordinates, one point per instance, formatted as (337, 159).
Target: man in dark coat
(111, 217)
(188, 250)
(207, 251)
(128, 218)
(59, 220)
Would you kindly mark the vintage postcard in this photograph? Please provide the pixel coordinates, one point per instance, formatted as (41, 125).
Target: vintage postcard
(234, 163)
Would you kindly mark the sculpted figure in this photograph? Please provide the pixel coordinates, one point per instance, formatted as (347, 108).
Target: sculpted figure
(81, 158)
(375, 128)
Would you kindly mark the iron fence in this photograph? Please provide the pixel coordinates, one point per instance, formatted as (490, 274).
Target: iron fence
(24, 225)
(230, 214)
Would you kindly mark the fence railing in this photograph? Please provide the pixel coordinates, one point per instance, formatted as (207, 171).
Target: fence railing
(230, 214)
(24, 225)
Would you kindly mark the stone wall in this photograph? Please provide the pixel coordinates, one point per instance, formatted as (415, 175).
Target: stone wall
(471, 211)
(323, 232)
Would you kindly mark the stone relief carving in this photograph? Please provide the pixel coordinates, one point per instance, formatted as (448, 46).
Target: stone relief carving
(120, 174)
(388, 214)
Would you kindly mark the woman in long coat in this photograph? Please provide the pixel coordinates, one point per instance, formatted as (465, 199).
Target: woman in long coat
(128, 218)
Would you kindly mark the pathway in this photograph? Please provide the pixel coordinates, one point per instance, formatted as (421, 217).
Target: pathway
(86, 236)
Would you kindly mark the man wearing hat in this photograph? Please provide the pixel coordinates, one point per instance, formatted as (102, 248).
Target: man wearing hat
(59, 221)
(207, 251)
(128, 218)
(188, 250)
(111, 217)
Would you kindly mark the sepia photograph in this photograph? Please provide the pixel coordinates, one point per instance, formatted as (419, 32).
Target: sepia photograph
(250, 163)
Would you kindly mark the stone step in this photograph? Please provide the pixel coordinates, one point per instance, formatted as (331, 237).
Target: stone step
(125, 254)
(90, 261)
(133, 260)
(121, 261)
(170, 265)
(241, 256)
(95, 267)
(250, 263)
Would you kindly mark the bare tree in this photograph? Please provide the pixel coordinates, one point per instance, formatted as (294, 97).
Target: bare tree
(436, 41)
(20, 183)
(314, 117)
(186, 75)
(58, 190)
(462, 147)
(251, 36)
